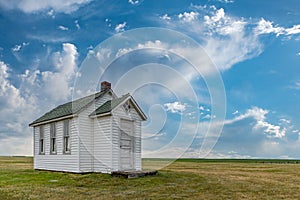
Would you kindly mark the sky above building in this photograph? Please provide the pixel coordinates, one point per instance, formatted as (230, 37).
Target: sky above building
(216, 78)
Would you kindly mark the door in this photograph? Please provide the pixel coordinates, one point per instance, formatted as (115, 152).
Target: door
(126, 145)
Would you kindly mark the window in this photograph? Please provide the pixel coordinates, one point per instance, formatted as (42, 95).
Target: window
(42, 143)
(127, 106)
(52, 138)
(67, 144)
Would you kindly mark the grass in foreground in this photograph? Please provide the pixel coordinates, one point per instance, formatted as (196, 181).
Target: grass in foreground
(193, 179)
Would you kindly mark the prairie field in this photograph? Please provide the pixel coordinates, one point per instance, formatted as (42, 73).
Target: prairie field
(183, 179)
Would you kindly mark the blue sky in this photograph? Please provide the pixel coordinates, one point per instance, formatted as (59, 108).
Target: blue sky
(253, 46)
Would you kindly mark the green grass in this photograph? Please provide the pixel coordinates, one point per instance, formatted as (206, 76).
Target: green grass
(185, 178)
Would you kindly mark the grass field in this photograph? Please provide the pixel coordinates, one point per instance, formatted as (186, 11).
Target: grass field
(183, 179)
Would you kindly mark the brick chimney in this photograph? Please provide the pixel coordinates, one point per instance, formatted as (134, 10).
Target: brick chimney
(105, 86)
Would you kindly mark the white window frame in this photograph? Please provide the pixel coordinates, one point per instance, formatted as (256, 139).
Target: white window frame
(53, 141)
(42, 141)
(127, 106)
(67, 140)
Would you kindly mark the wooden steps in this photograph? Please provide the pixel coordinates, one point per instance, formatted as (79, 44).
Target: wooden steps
(133, 174)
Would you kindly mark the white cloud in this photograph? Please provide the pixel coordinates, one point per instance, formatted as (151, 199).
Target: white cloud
(226, 1)
(295, 86)
(259, 115)
(120, 27)
(270, 129)
(37, 93)
(294, 30)
(53, 86)
(63, 28)
(16, 146)
(228, 40)
(49, 38)
(148, 44)
(33, 6)
(51, 13)
(102, 54)
(201, 108)
(286, 121)
(225, 38)
(77, 24)
(57, 83)
(235, 112)
(18, 47)
(266, 27)
(165, 17)
(216, 18)
(133, 2)
(15, 110)
(235, 47)
(9, 94)
(175, 107)
(188, 16)
(207, 116)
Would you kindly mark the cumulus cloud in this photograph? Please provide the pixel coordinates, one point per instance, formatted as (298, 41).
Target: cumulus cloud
(148, 44)
(227, 39)
(32, 6)
(38, 91)
(259, 115)
(250, 133)
(120, 27)
(10, 95)
(175, 107)
(15, 110)
(267, 27)
(188, 16)
(165, 17)
(57, 83)
(133, 2)
(294, 30)
(18, 47)
(53, 86)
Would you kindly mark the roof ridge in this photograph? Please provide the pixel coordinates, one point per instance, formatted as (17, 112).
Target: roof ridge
(68, 108)
(109, 105)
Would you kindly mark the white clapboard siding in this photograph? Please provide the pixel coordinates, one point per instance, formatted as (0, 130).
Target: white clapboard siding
(137, 137)
(59, 161)
(86, 134)
(95, 142)
(118, 114)
(102, 144)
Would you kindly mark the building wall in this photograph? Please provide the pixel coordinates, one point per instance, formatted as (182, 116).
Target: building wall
(102, 144)
(86, 133)
(59, 161)
(118, 114)
(95, 142)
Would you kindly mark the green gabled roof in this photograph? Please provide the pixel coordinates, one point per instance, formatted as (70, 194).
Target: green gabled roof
(68, 108)
(109, 105)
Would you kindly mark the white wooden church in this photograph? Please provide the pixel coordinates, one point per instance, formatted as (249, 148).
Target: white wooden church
(97, 133)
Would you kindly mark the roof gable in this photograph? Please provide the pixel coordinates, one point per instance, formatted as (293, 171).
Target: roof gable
(110, 105)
